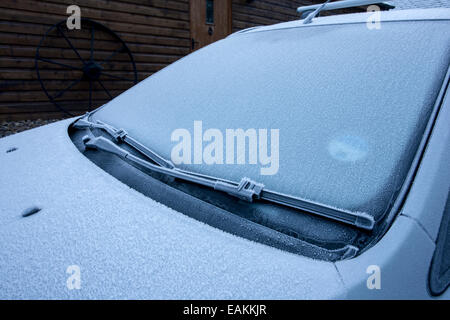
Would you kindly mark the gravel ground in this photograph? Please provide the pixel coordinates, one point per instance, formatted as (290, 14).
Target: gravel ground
(11, 127)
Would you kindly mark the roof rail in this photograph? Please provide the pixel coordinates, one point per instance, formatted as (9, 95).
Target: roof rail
(306, 10)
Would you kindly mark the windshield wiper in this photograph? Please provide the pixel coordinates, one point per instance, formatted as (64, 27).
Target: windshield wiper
(246, 189)
(120, 135)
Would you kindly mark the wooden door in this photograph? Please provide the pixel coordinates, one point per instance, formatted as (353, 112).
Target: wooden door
(210, 21)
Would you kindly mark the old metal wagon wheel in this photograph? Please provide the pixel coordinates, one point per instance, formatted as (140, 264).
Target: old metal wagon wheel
(83, 68)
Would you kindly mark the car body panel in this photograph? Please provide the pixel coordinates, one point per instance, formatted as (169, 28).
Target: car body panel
(126, 245)
(431, 185)
(129, 246)
(403, 256)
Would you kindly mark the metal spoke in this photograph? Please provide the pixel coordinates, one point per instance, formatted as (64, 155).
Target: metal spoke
(106, 90)
(116, 77)
(58, 63)
(70, 44)
(112, 55)
(92, 66)
(60, 93)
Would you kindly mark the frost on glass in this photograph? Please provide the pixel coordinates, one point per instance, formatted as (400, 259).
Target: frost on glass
(350, 103)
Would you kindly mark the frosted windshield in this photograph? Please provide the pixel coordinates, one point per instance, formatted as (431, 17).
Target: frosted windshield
(350, 105)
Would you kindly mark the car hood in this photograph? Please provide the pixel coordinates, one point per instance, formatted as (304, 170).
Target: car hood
(124, 244)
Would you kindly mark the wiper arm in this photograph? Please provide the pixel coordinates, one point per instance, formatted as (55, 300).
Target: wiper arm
(246, 189)
(120, 135)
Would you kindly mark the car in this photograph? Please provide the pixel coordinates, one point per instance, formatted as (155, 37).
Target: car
(303, 160)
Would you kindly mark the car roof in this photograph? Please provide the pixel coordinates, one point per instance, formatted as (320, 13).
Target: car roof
(392, 15)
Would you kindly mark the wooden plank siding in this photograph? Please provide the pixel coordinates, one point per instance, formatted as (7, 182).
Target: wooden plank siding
(156, 31)
(266, 12)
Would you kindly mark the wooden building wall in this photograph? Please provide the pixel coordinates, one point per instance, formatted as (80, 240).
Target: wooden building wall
(156, 31)
(247, 14)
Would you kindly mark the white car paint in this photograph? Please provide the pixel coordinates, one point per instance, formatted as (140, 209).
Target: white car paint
(126, 245)
(129, 246)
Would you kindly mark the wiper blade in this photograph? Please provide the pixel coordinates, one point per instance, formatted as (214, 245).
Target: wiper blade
(246, 189)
